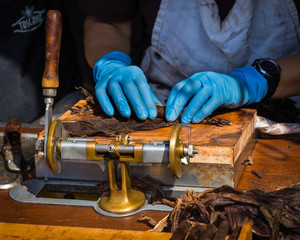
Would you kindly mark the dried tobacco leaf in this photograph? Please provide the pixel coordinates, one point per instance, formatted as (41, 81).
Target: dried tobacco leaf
(149, 186)
(103, 125)
(257, 174)
(110, 126)
(183, 230)
(161, 225)
(222, 231)
(216, 212)
(147, 220)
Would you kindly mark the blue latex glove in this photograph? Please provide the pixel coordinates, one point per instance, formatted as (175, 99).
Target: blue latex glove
(114, 75)
(204, 92)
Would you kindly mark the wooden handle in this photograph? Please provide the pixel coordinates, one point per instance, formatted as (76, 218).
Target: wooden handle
(53, 40)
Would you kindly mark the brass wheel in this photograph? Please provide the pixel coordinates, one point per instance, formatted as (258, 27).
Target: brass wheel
(175, 151)
(56, 134)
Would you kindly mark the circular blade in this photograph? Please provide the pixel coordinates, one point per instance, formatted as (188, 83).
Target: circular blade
(175, 151)
(55, 135)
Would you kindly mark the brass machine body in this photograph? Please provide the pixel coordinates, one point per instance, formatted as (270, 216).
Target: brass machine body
(61, 146)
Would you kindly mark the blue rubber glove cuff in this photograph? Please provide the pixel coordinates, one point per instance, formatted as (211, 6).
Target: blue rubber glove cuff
(257, 84)
(115, 57)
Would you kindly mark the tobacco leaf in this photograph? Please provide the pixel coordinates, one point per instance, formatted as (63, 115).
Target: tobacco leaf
(222, 231)
(215, 212)
(206, 234)
(147, 220)
(151, 187)
(182, 231)
(161, 225)
(257, 174)
(235, 234)
(110, 126)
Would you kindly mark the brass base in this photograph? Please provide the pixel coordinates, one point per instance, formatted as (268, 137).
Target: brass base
(121, 200)
(123, 203)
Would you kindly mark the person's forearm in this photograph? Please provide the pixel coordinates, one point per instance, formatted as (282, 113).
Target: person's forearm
(289, 84)
(102, 37)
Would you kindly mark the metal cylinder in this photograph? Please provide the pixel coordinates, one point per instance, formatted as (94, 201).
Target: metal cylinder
(156, 152)
(74, 139)
(73, 150)
(123, 149)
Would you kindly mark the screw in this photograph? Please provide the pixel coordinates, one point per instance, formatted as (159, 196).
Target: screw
(111, 148)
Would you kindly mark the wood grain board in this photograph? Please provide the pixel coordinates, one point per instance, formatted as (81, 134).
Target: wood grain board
(10, 231)
(278, 162)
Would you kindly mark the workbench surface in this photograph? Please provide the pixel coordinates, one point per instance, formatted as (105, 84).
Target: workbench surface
(277, 159)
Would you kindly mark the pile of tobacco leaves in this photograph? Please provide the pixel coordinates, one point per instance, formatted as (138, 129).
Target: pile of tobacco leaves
(221, 212)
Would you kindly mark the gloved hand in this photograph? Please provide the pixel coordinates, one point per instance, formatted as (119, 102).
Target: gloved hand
(204, 92)
(114, 75)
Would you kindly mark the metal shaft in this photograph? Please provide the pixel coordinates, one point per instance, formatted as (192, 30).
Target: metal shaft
(48, 119)
(153, 152)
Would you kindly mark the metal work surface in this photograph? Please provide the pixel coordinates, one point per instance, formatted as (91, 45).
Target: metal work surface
(28, 192)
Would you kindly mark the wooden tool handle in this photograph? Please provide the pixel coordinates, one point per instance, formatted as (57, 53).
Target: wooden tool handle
(53, 40)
